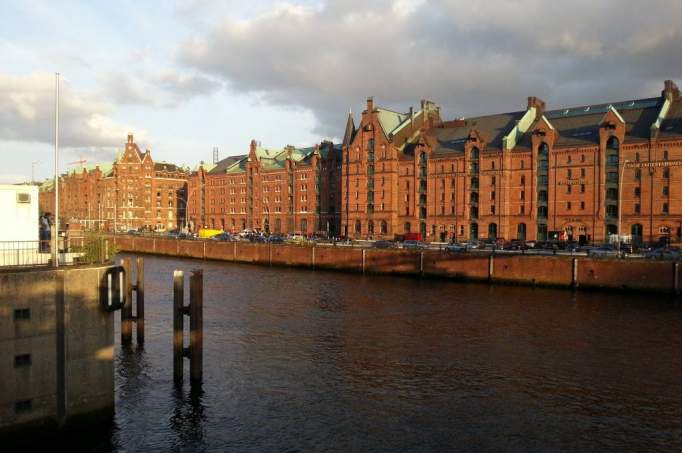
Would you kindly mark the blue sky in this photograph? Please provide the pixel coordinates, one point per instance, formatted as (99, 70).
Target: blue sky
(190, 75)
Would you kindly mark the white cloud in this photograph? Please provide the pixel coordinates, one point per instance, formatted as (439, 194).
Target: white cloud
(27, 114)
(470, 57)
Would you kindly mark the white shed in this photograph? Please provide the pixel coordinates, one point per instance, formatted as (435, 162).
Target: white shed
(19, 207)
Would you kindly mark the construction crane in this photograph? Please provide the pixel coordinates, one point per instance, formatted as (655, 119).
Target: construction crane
(81, 162)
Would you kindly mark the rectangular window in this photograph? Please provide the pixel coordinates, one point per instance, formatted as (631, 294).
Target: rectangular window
(665, 208)
(569, 173)
(612, 176)
(582, 188)
(582, 205)
(582, 172)
(666, 190)
(568, 189)
(522, 209)
(492, 209)
(22, 313)
(523, 195)
(637, 208)
(568, 205)
(638, 191)
(22, 406)
(22, 360)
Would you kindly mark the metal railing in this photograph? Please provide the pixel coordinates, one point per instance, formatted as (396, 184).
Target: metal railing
(72, 250)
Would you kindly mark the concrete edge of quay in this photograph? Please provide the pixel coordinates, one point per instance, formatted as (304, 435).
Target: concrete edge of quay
(57, 350)
(568, 272)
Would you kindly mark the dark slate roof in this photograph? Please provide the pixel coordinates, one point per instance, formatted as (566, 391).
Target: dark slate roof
(671, 127)
(492, 128)
(165, 166)
(222, 165)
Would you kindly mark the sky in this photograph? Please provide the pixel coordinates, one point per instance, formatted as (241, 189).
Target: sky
(187, 76)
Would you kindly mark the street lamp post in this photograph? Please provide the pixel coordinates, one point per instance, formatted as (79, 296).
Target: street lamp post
(620, 202)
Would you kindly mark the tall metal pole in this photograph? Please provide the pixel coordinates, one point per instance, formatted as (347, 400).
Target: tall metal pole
(55, 238)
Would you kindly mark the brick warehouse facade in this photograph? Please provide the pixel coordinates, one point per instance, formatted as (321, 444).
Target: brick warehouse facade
(132, 193)
(278, 191)
(528, 174)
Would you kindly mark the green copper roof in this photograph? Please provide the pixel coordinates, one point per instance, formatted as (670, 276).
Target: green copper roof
(390, 120)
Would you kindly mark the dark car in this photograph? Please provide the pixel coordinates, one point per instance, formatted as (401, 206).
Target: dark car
(225, 237)
(274, 239)
(412, 244)
(455, 248)
(383, 245)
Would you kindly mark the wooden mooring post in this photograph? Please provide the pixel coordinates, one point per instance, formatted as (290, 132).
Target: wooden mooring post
(195, 351)
(127, 317)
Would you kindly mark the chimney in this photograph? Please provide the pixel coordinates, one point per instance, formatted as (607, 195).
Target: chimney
(253, 146)
(670, 90)
(130, 137)
(370, 104)
(539, 105)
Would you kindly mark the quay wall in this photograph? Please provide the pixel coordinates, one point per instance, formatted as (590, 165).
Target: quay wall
(541, 270)
(56, 347)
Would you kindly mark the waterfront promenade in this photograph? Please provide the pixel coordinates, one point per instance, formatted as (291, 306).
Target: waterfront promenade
(560, 271)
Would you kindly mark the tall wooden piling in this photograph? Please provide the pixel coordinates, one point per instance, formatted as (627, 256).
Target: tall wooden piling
(196, 325)
(195, 351)
(127, 309)
(139, 292)
(178, 324)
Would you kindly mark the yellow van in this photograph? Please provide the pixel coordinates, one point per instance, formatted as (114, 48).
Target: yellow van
(209, 233)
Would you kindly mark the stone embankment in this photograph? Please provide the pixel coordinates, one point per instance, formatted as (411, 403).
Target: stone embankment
(560, 271)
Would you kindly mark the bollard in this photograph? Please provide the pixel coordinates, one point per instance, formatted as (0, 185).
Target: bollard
(195, 351)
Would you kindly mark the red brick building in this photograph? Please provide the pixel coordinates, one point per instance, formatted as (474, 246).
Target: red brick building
(271, 190)
(529, 174)
(132, 193)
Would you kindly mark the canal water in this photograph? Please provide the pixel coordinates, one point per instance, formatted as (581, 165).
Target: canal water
(299, 360)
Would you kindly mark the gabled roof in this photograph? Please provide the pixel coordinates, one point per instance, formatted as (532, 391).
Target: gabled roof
(223, 164)
(390, 120)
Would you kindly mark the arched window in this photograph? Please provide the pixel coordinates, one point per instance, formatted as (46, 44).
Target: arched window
(473, 231)
(358, 226)
(474, 153)
(407, 227)
(613, 143)
(543, 151)
(384, 227)
(492, 231)
(422, 158)
(665, 155)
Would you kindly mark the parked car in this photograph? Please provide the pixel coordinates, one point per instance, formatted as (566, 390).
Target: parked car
(275, 239)
(225, 237)
(473, 245)
(412, 244)
(455, 248)
(515, 244)
(383, 245)
(606, 250)
(663, 253)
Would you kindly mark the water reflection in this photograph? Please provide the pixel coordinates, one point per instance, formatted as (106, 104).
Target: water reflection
(187, 420)
(319, 361)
